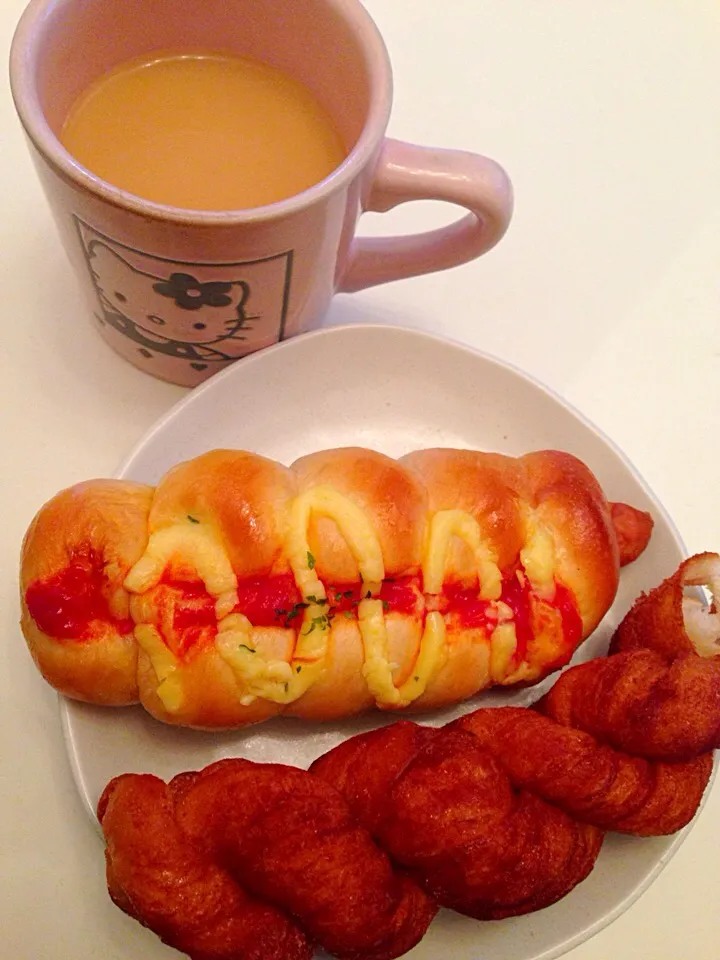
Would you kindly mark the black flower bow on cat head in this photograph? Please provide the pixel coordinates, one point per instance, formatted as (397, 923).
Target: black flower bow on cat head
(189, 294)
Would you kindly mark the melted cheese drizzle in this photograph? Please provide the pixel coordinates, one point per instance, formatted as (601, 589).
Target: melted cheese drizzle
(503, 644)
(377, 670)
(258, 677)
(209, 560)
(283, 682)
(277, 680)
(164, 663)
(457, 523)
(214, 569)
(354, 526)
(538, 555)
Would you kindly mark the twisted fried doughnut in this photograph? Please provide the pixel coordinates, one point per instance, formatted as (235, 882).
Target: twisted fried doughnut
(591, 781)
(658, 695)
(499, 813)
(255, 861)
(443, 807)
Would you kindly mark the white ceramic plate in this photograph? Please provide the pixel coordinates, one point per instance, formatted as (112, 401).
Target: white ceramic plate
(394, 390)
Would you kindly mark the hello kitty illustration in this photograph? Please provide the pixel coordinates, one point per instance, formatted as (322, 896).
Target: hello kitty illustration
(180, 315)
(203, 314)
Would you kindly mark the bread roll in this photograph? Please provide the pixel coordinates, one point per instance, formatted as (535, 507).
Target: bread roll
(238, 588)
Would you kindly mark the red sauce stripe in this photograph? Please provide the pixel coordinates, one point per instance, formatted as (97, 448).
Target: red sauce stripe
(565, 602)
(517, 596)
(398, 596)
(270, 601)
(193, 616)
(472, 612)
(67, 605)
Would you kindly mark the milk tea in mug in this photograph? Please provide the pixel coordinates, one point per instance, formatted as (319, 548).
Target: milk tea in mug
(207, 163)
(203, 132)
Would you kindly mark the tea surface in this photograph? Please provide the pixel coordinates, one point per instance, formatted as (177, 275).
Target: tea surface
(203, 131)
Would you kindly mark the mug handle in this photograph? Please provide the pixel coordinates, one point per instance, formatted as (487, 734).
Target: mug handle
(406, 171)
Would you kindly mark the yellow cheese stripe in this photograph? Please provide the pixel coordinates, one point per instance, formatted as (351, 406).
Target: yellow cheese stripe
(376, 669)
(274, 680)
(538, 555)
(431, 657)
(164, 663)
(503, 644)
(446, 524)
(208, 557)
(354, 526)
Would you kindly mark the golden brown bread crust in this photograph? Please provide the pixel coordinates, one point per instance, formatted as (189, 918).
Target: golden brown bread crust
(110, 517)
(243, 496)
(211, 698)
(392, 498)
(485, 485)
(632, 528)
(173, 558)
(568, 498)
(560, 490)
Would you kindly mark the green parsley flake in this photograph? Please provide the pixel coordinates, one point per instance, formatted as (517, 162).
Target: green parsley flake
(321, 623)
(289, 615)
(310, 561)
(317, 600)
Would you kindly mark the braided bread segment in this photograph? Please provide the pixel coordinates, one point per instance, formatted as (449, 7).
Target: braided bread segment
(76, 554)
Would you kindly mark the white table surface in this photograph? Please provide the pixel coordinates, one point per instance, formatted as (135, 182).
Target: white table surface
(607, 287)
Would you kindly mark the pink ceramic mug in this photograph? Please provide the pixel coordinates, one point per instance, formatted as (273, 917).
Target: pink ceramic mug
(183, 293)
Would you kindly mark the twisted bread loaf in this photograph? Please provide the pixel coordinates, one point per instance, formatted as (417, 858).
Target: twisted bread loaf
(238, 589)
(497, 814)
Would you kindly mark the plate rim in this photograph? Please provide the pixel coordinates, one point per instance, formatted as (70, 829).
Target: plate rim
(342, 330)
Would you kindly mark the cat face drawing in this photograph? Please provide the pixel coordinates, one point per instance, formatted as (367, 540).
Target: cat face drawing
(176, 315)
